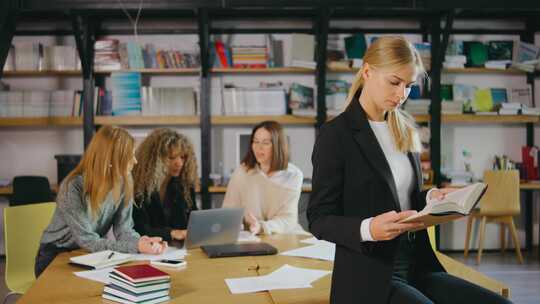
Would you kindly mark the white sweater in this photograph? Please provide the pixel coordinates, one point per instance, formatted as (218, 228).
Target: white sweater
(273, 200)
(400, 166)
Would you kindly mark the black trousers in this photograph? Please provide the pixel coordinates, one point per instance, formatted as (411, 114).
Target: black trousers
(432, 287)
(45, 255)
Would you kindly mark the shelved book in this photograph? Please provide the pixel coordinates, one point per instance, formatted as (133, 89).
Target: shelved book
(138, 284)
(454, 205)
(301, 100)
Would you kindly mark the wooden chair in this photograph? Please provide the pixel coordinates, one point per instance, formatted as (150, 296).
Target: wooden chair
(465, 272)
(500, 204)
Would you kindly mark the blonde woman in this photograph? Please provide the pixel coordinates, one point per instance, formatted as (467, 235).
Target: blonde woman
(366, 178)
(165, 179)
(266, 185)
(95, 196)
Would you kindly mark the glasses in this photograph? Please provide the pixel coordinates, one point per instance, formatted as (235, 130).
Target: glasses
(264, 143)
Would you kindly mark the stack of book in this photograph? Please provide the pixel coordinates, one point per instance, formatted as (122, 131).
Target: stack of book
(106, 56)
(417, 106)
(249, 56)
(452, 107)
(454, 61)
(510, 108)
(254, 101)
(168, 101)
(138, 284)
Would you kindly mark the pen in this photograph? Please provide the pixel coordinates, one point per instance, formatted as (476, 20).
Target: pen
(110, 255)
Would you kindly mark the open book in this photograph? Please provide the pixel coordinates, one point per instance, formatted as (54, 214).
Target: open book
(454, 205)
(101, 259)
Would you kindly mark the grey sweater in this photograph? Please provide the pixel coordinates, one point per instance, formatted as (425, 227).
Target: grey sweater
(73, 225)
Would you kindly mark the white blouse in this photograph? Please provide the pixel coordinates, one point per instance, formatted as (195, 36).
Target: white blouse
(273, 200)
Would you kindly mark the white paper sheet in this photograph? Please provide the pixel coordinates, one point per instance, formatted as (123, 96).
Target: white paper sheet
(246, 236)
(322, 250)
(294, 274)
(314, 240)
(286, 277)
(101, 275)
(170, 253)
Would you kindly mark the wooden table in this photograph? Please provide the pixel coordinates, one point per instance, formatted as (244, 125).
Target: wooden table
(203, 281)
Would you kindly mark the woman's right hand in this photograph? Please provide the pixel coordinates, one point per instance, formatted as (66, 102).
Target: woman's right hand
(151, 245)
(386, 226)
(177, 234)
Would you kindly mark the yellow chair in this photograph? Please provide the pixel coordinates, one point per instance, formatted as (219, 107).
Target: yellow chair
(500, 204)
(23, 227)
(464, 272)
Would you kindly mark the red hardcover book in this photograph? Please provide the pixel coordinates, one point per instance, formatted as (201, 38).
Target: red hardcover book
(141, 273)
(221, 53)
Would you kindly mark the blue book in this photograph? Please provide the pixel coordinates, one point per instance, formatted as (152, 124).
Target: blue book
(105, 107)
(126, 93)
(135, 56)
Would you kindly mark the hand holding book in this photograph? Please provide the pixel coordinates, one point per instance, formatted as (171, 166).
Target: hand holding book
(453, 205)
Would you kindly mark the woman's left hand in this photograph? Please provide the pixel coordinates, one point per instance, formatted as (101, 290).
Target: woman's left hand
(439, 194)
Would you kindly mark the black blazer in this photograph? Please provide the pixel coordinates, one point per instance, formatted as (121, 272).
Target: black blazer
(149, 213)
(352, 181)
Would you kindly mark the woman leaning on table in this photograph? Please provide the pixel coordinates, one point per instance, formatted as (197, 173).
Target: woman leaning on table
(95, 197)
(165, 178)
(366, 178)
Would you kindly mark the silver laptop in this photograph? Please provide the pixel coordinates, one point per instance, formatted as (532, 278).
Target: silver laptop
(213, 227)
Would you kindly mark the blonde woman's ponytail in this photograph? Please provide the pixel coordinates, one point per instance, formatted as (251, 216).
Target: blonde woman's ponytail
(356, 85)
(403, 129)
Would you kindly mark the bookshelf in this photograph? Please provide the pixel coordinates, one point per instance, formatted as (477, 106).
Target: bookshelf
(180, 71)
(277, 70)
(203, 27)
(147, 120)
(70, 121)
(41, 73)
(499, 119)
(251, 120)
(510, 71)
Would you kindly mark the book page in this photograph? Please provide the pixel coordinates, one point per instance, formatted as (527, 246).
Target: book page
(453, 202)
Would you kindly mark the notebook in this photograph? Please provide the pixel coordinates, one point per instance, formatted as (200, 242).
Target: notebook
(140, 273)
(101, 259)
(232, 250)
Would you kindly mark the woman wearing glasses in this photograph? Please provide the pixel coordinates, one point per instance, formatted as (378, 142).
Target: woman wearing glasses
(266, 185)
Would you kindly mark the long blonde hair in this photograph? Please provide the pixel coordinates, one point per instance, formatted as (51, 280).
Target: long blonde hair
(393, 52)
(152, 169)
(104, 167)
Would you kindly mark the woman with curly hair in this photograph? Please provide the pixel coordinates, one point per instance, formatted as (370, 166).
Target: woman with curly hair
(164, 181)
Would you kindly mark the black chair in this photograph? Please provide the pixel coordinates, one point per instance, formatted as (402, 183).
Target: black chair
(30, 189)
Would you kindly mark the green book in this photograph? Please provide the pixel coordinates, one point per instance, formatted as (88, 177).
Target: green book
(446, 92)
(476, 53)
(355, 46)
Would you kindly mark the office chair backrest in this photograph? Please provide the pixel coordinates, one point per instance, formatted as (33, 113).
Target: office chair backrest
(23, 227)
(502, 195)
(30, 189)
